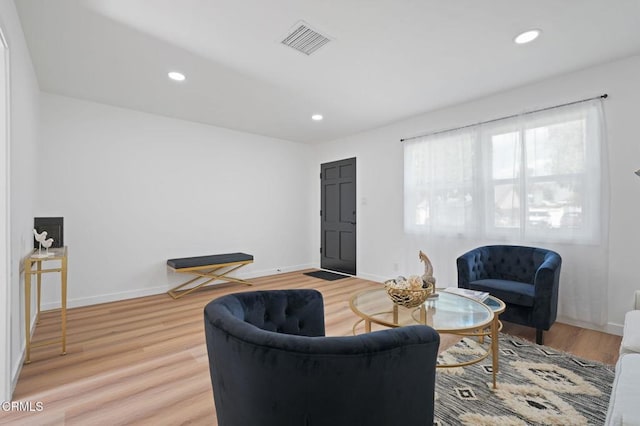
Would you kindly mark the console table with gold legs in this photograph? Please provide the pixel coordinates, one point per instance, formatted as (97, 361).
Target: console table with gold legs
(55, 254)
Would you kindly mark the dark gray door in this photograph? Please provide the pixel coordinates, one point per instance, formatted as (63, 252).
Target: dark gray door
(338, 223)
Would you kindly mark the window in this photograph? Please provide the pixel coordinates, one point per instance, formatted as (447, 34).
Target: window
(534, 177)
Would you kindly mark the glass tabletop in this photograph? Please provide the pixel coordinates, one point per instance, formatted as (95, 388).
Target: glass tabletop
(495, 304)
(54, 253)
(446, 313)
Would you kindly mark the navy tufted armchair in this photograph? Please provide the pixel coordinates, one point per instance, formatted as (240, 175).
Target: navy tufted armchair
(525, 278)
(271, 365)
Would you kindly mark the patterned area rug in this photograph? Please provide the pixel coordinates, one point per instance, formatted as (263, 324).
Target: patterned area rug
(537, 385)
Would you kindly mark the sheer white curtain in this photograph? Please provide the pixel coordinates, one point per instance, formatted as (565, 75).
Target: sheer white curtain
(439, 184)
(538, 179)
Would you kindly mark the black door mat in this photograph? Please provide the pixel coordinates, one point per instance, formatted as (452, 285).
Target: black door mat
(325, 275)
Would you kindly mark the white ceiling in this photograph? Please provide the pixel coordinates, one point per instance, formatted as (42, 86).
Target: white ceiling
(388, 59)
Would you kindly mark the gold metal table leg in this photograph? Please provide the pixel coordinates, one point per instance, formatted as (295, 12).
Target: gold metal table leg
(63, 285)
(494, 347)
(39, 296)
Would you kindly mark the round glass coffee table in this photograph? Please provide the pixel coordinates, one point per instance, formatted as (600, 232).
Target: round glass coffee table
(448, 313)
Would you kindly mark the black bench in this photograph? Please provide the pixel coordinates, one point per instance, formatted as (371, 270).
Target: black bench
(207, 267)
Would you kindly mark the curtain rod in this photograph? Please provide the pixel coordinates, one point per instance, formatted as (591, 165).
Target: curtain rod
(605, 96)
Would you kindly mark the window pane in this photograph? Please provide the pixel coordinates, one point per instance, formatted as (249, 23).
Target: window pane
(556, 149)
(506, 206)
(438, 181)
(450, 160)
(452, 208)
(505, 154)
(555, 204)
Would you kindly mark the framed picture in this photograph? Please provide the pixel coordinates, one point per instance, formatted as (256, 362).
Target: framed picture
(53, 226)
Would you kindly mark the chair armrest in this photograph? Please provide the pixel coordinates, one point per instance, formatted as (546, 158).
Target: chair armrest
(470, 268)
(547, 276)
(546, 283)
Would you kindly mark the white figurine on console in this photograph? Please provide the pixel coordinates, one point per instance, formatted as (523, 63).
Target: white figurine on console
(40, 238)
(46, 244)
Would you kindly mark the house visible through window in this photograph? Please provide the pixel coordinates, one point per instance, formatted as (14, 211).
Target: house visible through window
(534, 177)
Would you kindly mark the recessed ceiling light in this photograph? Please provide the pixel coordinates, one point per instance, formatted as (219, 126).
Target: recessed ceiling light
(317, 117)
(527, 36)
(177, 76)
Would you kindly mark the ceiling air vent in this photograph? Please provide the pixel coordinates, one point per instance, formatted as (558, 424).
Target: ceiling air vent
(304, 39)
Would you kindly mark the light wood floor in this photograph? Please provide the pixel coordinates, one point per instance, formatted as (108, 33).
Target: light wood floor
(144, 361)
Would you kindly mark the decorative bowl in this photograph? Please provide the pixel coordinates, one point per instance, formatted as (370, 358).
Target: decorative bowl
(407, 297)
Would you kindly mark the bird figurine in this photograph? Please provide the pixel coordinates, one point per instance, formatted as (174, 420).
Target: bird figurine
(428, 277)
(40, 238)
(46, 244)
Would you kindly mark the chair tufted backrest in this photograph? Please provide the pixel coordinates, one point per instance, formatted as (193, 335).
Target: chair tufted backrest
(514, 263)
(297, 312)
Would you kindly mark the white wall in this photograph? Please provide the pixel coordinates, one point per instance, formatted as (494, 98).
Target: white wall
(136, 189)
(381, 241)
(24, 106)
(5, 228)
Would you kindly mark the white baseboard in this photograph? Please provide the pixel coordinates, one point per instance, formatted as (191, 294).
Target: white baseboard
(610, 328)
(613, 328)
(372, 277)
(106, 298)
(150, 291)
(276, 271)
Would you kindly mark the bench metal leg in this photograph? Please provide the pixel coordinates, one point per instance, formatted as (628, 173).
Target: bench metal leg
(209, 276)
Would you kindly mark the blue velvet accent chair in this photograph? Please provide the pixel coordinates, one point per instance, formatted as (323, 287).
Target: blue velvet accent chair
(271, 365)
(526, 279)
